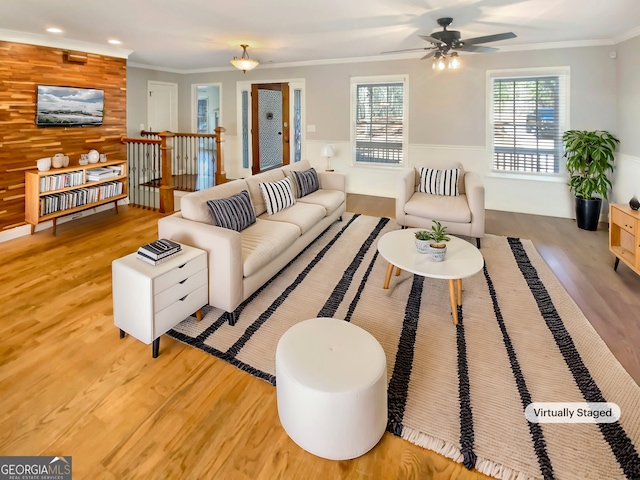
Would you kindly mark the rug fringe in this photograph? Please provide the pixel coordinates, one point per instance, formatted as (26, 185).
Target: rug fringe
(452, 451)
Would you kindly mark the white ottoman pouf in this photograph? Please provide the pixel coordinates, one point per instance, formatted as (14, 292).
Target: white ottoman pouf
(331, 385)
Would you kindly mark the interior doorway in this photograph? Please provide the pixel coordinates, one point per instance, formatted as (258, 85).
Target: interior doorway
(206, 108)
(269, 126)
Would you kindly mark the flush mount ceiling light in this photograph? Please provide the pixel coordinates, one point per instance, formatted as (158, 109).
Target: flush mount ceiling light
(113, 41)
(244, 63)
(54, 30)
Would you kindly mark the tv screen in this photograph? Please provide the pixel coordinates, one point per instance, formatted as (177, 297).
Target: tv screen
(69, 106)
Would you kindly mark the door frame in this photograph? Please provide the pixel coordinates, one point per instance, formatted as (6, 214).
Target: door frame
(255, 122)
(173, 115)
(245, 86)
(194, 103)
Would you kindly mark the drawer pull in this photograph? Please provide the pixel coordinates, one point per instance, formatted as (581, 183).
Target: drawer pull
(182, 265)
(184, 298)
(181, 282)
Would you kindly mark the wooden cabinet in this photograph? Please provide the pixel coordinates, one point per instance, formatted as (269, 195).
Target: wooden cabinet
(624, 235)
(63, 191)
(149, 300)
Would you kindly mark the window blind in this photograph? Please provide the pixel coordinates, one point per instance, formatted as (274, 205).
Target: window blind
(379, 130)
(528, 119)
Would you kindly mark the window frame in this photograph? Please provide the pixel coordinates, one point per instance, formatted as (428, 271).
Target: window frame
(564, 75)
(382, 80)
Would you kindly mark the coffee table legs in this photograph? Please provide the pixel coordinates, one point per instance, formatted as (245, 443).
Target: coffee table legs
(387, 278)
(455, 284)
(455, 290)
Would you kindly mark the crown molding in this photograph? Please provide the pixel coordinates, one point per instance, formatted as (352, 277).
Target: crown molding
(63, 43)
(628, 35)
(377, 58)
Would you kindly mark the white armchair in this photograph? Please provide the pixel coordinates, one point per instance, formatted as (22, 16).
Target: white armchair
(462, 214)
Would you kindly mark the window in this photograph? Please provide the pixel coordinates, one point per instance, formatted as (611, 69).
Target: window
(379, 124)
(528, 116)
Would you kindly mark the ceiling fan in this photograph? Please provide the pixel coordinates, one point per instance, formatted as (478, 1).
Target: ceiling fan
(449, 41)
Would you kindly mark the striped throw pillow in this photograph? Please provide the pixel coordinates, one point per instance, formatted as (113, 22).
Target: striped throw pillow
(277, 195)
(448, 182)
(234, 212)
(307, 181)
(429, 179)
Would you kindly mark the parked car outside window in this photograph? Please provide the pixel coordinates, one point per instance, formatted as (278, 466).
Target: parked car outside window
(543, 122)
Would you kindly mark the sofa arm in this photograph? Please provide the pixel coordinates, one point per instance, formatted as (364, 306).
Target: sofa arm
(405, 188)
(224, 256)
(475, 196)
(333, 181)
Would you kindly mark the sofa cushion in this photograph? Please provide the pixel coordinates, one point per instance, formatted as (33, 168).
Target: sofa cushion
(263, 241)
(304, 215)
(439, 182)
(294, 184)
(439, 207)
(448, 182)
(307, 181)
(253, 184)
(300, 166)
(429, 179)
(329, 199)
(234, 212)
(194, 205)
(440, 164)
(277, 195)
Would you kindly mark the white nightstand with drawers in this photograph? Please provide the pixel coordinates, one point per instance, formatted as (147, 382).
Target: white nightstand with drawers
(149, 300)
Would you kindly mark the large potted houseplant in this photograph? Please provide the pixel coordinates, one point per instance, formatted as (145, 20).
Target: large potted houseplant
(589, 157)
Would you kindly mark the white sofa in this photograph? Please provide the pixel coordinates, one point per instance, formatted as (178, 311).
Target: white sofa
(241, 262)
(462, 214)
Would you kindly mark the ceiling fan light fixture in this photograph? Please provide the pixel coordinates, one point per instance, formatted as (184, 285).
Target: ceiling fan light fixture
(244, 63)
(438, 62)
(454, 61)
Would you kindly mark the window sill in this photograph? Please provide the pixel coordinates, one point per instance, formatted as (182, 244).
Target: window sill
(378, 166)
(536, 177)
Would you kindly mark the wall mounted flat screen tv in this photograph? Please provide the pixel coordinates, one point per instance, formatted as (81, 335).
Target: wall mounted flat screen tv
(69, 106)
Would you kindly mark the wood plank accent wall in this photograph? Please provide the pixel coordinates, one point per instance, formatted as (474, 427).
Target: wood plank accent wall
(24, 67)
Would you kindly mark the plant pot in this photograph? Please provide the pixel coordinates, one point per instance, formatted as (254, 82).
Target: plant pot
(422, 245)
(438, 252)
(588, 213)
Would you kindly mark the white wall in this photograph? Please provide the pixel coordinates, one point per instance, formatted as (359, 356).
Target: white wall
(447, 117)
(627, 172)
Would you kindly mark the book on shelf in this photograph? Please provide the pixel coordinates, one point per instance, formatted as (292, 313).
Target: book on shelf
(141, 256)
(160, 248)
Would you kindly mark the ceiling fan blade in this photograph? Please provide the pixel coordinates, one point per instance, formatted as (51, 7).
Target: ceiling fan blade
(406, 50)
(429, 55)
(433, 40)
(489, 38)
(476, 49)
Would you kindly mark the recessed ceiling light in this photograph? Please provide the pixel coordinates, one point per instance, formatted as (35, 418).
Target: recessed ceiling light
(115, 42)
(54, 30)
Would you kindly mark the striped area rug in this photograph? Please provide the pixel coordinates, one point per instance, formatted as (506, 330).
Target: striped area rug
(460, 391)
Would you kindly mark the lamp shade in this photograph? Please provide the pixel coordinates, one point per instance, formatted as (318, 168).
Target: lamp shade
(244, 63)
(327, 151)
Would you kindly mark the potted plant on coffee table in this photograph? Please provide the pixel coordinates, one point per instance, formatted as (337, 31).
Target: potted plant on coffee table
(422, 241)
(589, 157)
(436, 239)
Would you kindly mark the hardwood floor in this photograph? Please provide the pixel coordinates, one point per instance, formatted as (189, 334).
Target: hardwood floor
(70, 386)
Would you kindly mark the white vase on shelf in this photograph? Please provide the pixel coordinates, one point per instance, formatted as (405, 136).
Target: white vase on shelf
(44, 164)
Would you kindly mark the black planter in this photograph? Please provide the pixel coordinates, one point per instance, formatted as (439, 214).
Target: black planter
(588, 213)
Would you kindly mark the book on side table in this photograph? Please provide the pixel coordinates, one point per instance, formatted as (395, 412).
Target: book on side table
(158, 251)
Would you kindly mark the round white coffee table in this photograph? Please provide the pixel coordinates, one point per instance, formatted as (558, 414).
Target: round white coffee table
(463, 260)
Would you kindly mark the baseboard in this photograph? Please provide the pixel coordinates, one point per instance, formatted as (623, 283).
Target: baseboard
(25, 230)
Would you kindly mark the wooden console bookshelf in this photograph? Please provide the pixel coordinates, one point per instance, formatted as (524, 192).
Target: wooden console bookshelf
(43, 201)
(624, 236)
